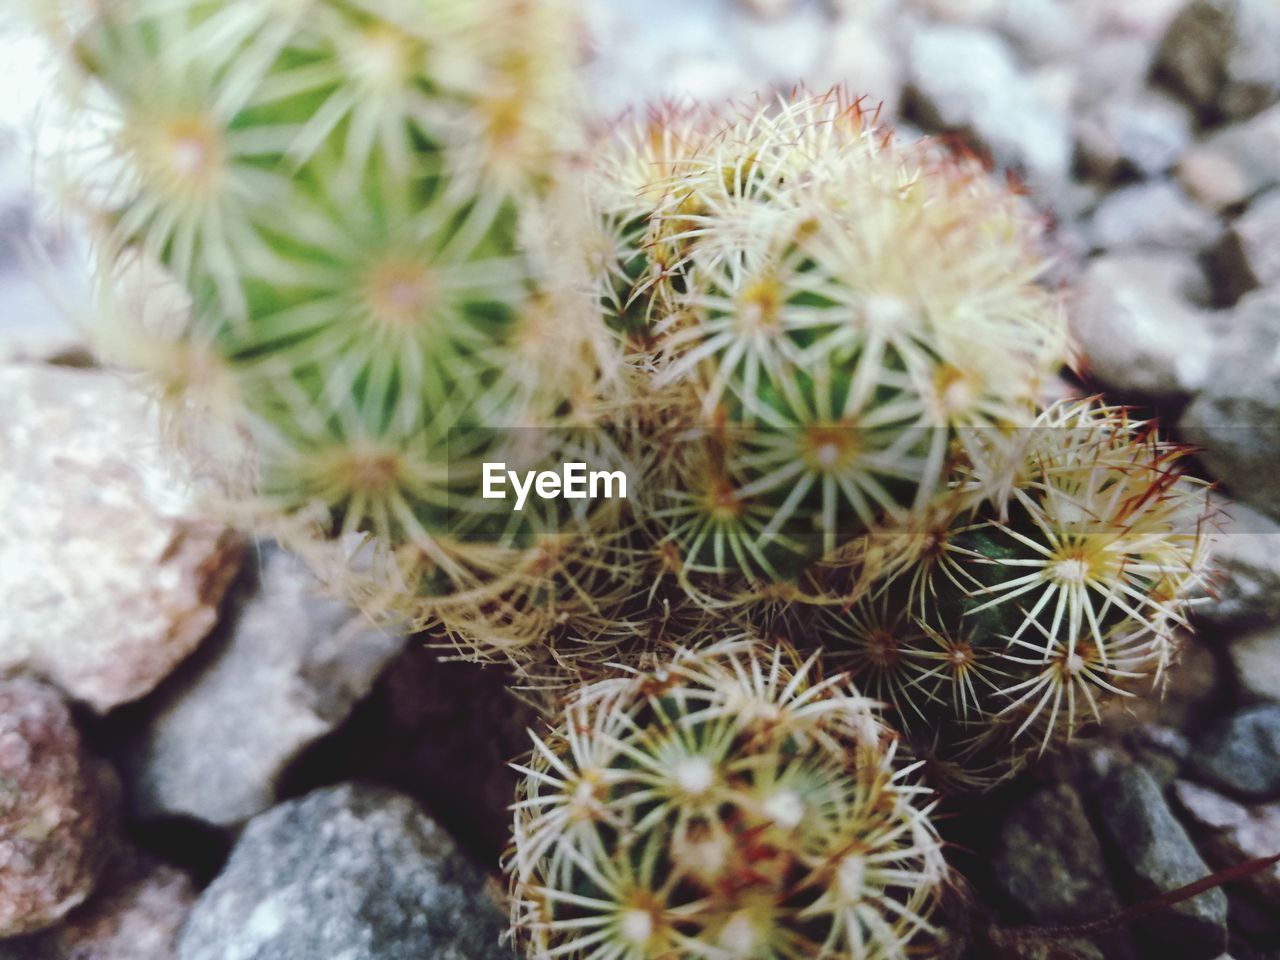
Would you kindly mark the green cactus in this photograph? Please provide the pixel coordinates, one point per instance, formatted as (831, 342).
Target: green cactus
(363, 248)
(366, 250)
(1061, 589)
(726, 802)
(769, 275)
(348, 194)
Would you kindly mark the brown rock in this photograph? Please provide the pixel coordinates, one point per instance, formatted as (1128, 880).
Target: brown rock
(1220, 55)
(55, 807)
(108, 578)
(1231, 833)
(1236, 163)
(138, 918)
(1248, 255)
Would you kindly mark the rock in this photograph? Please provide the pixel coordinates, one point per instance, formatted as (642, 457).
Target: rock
(350, 872)
(1248, 256)
(965, 79)
(1044, 31)
(1111, 69)
(708, 77)
(1235, 418)
(636, 57)
(1244, 554)
(1240, 754)
(1193, 53)
(1141, 136)
(782, 52)
(1156, 215)
(1221, 55)
(1256, 659)
(1048, 861)
(1234, 164)
(1161, 750)
(138, 918)
(768, 8)
(56, 810)
(1136, 331)
(1158, 856)
(108, 577)
(1145, 20)
(292, 667)
(981, 12)
(442, 731)
(858, 57)
(1231, 833)
(39, 274)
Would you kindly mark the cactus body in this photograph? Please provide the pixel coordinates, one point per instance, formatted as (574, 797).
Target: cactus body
(727, 802)
(770, 273)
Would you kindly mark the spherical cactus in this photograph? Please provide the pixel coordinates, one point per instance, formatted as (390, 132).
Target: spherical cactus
(770, 275)
(725, 803)
(1061, 589)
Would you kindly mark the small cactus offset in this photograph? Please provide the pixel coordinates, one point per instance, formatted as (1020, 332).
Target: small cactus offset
(726, 802)
(1012, 622)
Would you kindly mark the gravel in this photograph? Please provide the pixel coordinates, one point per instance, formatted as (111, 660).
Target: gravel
(350, 872)
(1159, 856)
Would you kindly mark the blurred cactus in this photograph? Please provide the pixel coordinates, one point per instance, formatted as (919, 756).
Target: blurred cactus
(349, 196)
(727, 802)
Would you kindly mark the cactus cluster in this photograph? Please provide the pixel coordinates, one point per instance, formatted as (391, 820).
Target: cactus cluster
(390, 254)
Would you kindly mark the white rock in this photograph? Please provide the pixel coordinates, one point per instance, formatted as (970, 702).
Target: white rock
(963, 11)
(1234, 833)
(1235, 419)
(1143, 135)
(1136, 331)
(1155, 215)
(1256, 658)
(768, 8)
(782, 53)
(1244, 553)
(1248, 256)
(1045, 30)
(1235, 163)
(293, 667)
(861, 56)
(963, 78)
(108, 576)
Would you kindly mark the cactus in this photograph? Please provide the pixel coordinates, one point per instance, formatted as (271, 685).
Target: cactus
(350, 198)
(1064, 587)
(362, 248)
(769, 277)
(726, 802)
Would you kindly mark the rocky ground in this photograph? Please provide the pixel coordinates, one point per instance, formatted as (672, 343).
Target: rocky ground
(202, 757)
